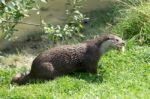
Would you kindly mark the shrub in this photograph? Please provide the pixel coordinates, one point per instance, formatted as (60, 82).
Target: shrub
(11, 13)
(73, 25)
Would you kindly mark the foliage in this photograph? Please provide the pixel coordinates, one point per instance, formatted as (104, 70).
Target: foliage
(14, 11)
(73, 25)
(57, 33)
(11, 12)
(135, 24)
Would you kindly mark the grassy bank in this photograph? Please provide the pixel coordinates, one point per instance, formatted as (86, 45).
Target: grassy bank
(125, 75)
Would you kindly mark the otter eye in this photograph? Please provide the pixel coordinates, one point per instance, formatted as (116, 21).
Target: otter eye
(117, 40)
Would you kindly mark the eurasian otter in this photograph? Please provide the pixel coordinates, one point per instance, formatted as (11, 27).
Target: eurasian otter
(65, 59)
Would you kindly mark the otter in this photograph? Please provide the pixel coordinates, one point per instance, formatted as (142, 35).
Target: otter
(66, 59)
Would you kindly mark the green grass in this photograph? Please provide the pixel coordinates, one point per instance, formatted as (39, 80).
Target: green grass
(123, 76)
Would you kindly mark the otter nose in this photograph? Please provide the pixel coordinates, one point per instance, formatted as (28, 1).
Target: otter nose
(123, 43)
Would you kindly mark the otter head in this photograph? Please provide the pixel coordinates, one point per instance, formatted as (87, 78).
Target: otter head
(112, 42)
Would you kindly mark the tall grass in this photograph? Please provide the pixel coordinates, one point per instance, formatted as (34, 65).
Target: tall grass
(134, 23)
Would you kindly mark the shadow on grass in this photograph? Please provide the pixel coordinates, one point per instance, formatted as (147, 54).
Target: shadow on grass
(90, 78)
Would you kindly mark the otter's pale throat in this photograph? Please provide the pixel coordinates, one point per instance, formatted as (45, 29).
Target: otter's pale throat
(105, 46)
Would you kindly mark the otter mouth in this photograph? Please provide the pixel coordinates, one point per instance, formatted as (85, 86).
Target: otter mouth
(121, 48)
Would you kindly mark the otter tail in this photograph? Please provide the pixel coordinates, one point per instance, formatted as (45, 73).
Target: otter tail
(21, 79)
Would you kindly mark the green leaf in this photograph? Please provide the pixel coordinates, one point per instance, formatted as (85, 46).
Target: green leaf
(45, 1)
(3, 1)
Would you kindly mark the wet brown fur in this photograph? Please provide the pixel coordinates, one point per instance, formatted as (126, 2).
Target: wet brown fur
(62, 60)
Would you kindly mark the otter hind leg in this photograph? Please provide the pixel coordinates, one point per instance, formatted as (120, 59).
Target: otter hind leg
(46, 71)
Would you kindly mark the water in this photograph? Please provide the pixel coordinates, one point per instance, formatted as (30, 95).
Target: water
(52, 12)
